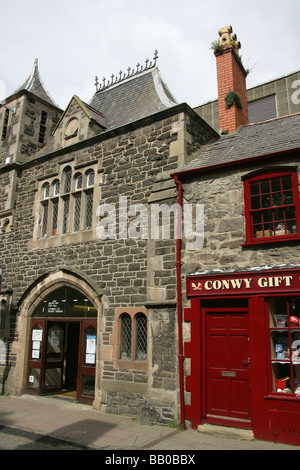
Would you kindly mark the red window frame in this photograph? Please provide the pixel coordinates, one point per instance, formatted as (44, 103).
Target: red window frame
(272, 207)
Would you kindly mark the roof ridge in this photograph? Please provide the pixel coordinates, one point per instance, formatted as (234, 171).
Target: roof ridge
(131, 72)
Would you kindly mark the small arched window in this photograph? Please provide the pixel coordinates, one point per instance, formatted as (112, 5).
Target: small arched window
(56, 188)
(133, 339)
(90, 179)
(46, 191)
(125, 350)
(78, 182)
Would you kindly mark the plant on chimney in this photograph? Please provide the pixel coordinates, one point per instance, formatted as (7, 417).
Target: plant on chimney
(233, 97)
(217, 46)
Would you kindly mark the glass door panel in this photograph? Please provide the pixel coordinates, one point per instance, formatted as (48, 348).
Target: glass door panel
(54, 359)
(87, 361)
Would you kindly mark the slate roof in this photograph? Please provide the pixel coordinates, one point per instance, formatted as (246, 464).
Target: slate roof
(34, 85)
(253, 140)
(133, 99)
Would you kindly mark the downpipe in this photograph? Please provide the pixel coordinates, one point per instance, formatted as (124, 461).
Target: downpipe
(179, 304)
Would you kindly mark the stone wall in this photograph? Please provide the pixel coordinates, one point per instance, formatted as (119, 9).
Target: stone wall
(224, 226)
(130, 164)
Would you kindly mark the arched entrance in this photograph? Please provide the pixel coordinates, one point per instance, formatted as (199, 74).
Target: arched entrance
(63, 344)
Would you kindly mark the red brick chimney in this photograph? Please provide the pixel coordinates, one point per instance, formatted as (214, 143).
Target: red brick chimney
(231, 75)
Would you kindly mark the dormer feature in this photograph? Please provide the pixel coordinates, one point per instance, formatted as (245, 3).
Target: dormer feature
(79, 122)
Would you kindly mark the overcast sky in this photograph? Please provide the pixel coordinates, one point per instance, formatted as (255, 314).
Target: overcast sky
(76, 40)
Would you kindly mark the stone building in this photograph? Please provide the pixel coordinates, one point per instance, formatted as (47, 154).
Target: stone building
(240, 284)
(88, 299)
(147, 261)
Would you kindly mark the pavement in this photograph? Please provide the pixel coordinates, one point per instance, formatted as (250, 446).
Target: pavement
(90, 429)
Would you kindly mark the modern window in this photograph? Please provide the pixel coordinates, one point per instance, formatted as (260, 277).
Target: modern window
(284, 345)
(272, 207)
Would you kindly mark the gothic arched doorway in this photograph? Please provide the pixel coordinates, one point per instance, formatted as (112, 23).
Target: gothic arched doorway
(62, 345)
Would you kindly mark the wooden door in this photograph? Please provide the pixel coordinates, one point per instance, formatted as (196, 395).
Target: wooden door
(36, 356)
(87, 361)
(227, 365)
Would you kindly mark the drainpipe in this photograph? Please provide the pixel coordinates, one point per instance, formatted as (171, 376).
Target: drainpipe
(179, 306)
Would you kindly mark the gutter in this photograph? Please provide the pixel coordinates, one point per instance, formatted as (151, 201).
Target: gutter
(179, 305)
(293, 153)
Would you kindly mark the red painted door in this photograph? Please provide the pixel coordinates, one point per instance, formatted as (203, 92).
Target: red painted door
(227, 366)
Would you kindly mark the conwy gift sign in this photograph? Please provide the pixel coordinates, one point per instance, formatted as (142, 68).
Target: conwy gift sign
(243, 283)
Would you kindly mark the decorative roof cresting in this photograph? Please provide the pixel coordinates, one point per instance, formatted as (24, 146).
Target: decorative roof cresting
(131, 72)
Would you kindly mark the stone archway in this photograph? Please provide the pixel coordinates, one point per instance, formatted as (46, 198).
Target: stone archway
(31, 299)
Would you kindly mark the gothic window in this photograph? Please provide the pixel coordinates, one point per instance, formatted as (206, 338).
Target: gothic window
(90, 178)
(56, 188)
(141, 337)
(89, 199)
(67, 203)
(44, 220)
(46, 191)
(125, 352)
(66, 206)
(88, 209)
(67, 179)
(54, 216)
(133, 342)
(77, 210)
(78, 183)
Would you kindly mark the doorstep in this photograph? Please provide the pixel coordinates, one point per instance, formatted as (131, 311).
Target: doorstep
(226, 431)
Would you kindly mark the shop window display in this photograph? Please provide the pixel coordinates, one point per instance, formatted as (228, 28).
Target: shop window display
(284, 331)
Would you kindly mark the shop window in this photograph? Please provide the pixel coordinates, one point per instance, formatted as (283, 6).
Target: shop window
(284, 343)
(272, 207)
(132, 339)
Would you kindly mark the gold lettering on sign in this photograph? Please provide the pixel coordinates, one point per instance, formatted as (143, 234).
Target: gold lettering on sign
(246, 283)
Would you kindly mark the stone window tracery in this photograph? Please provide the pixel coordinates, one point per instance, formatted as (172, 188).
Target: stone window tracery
(131, 338)
(66, 203)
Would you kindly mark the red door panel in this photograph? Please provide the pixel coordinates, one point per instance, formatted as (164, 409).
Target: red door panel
(228, 389)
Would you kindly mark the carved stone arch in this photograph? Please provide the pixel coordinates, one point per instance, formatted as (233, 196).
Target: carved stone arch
(53, 280)
(41, 288)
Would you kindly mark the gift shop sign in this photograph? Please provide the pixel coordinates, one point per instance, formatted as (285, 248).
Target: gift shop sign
(243, 283)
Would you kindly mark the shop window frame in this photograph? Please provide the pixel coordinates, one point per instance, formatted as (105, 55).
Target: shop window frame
(267, 213)
(284, 357)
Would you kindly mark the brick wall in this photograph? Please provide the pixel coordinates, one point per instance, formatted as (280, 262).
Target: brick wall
(231, 76)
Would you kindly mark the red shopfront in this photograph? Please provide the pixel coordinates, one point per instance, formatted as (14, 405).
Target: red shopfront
(245, 352)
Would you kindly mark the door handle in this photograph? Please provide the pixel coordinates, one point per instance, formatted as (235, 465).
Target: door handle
(247, 362)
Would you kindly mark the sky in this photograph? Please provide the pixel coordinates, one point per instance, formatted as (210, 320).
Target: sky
(74, 41)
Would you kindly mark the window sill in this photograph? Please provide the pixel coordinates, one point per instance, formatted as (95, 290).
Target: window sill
(282, 396)
(68, 239)
(127, 364)
(267, 240)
